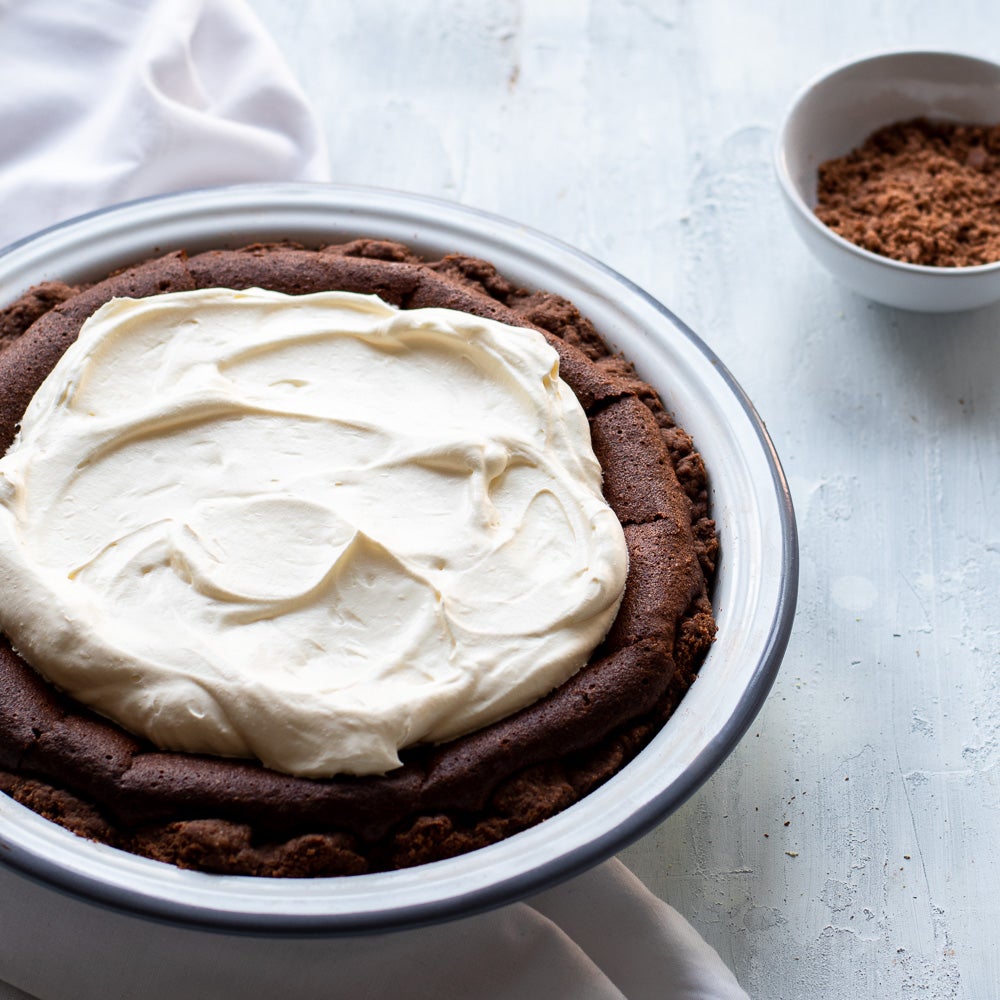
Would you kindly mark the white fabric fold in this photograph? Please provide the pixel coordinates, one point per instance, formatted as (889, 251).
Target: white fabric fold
(639, 943)
(601, 936)
(103, 101)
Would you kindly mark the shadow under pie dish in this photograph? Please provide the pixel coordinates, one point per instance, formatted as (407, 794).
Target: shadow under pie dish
(237, 816)
(754, 583)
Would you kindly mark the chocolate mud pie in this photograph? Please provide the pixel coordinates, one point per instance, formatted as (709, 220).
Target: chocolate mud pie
(408, 687)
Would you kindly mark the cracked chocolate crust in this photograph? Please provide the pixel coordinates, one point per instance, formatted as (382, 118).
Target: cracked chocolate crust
(238, 817)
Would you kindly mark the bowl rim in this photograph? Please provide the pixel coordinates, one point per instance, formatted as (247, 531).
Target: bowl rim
(476, 897)
(791, 191)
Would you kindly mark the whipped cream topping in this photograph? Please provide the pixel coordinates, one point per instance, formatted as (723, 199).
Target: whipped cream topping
(312, 530)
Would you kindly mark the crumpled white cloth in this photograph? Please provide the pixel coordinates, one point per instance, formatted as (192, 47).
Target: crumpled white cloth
(102, 101)
(601, 936)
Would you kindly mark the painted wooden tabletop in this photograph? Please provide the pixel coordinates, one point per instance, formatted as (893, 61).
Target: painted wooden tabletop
(848, 846)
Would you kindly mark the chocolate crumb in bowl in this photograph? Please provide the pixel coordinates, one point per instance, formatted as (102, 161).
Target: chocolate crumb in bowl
(920, 192)
(236, 816)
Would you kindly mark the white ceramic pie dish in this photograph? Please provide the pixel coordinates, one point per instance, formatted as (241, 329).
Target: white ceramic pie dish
(754, 592)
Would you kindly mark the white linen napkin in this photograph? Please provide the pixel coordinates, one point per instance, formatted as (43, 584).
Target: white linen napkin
(102, 101)
(601, 936)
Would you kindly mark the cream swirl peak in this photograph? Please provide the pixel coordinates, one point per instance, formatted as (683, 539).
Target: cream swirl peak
(309, 529)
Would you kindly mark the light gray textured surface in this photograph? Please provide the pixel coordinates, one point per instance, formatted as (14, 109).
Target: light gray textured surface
(848, 847)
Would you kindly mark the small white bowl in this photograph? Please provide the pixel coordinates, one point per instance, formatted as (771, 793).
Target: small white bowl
(836, 113)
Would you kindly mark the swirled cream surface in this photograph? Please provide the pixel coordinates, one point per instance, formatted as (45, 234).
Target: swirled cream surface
(312, 529)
